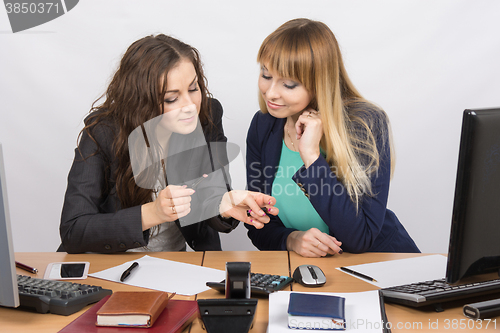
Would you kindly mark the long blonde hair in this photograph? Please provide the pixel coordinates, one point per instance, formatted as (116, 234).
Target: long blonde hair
(307, 51)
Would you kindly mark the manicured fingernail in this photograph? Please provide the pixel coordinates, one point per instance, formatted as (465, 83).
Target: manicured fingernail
(341, 251)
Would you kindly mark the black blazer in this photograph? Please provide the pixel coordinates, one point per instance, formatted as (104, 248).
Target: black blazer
(92, 219)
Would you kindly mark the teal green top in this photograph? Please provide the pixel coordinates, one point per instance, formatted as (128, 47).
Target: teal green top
(296, 211)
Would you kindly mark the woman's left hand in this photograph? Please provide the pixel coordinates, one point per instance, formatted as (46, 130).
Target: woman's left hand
(237, 203)
(309, 130)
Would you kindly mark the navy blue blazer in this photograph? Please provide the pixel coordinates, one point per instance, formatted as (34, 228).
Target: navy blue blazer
(372, 227)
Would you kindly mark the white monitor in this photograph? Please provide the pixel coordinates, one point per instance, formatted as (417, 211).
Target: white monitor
(9, 295)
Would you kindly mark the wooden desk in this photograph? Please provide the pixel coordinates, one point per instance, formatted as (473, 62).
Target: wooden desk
(282, 263)
(262, 262)
(401, 318)
(14, 320)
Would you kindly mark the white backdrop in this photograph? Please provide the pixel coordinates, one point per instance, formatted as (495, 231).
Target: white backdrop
(423, 61)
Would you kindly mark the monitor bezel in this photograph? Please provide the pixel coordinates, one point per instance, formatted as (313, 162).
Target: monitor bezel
(9, 295)
(458, 266)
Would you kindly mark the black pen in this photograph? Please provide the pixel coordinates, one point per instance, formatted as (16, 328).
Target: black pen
(26, 267)
(128, 271)
(345, 269)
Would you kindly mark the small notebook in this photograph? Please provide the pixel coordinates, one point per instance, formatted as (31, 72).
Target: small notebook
(132, 308)
(176, 316)
(316, 312)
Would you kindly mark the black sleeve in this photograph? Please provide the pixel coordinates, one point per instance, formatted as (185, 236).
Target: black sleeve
(91, 219)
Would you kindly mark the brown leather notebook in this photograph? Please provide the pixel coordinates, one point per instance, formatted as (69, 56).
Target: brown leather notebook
(176, 316)
(132, 308)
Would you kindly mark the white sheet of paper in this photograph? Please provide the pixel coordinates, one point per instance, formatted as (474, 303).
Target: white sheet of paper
(402, 271)
(362, 312)
(164, 275)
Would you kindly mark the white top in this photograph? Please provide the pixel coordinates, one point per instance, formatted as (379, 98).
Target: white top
(167, 237)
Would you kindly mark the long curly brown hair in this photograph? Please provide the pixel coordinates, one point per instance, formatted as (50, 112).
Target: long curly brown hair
(134, 96)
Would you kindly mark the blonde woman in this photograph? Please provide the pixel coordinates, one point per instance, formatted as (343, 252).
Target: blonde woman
(322, 150)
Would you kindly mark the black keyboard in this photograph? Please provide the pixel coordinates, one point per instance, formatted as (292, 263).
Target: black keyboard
(437, 291)
(261, 284)
(58, 297)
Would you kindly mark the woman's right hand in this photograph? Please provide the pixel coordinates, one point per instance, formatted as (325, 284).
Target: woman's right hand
(313, 243)
(172, 203)
(309, 130)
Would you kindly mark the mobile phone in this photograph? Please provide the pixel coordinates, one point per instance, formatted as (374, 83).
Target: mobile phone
(67, 270)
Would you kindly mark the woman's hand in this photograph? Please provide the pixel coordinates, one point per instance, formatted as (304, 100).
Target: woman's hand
(309, 130)
(313, 243)
(237, 203)
(172, 203)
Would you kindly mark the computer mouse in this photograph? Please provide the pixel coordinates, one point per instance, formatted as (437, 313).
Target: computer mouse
(309, 276)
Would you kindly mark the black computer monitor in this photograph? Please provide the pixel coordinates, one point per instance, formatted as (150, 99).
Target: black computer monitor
(475, 228)
(9, 296)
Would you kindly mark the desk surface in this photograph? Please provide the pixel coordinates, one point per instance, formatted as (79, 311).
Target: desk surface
(402, 319)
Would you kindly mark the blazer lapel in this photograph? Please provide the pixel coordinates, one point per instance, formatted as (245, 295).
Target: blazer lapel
(272, 152)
